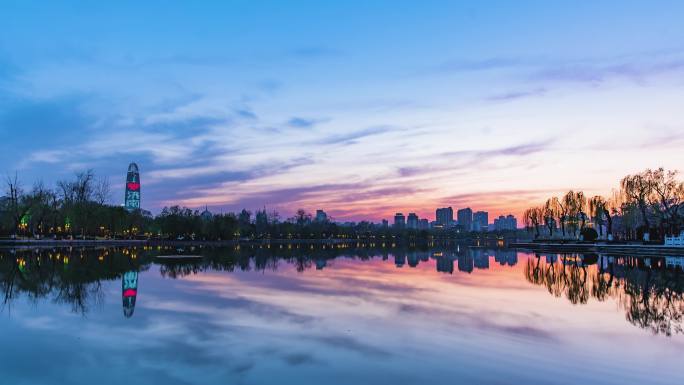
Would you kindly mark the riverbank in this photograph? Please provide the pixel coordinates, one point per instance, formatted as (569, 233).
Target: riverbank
(29, 243)
(598, 248)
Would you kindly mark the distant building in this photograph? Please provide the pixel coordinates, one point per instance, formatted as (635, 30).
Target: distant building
(480, 221)
(465, 219)
(321, 216)
(412, 221)
(505, 223)
(385, 223)
(444, 216)
(423, 224)
(206, 215)
(132, 196)
(399, 221)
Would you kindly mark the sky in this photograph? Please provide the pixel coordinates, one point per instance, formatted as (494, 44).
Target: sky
(361, 108)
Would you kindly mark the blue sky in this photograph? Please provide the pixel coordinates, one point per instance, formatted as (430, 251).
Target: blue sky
(362, 108)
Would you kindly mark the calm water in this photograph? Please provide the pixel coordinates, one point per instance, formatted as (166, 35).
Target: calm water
(342, 316)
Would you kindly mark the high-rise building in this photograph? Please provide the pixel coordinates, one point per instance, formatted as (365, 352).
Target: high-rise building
(321, 216)
(512, 222)
(132, 197)
(423, 224)
(444, 216)
(465, 218)
(399, 221)
(503, 223)
(385, 223)
(480, 221)
(412, 221)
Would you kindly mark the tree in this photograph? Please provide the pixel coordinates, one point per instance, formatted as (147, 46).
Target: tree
(574, 204)
(666, 198)
(598, 208)
(637, 189)
(15, 207)
(533, 217)
(302, 217)
(550, 212)
(561, 212)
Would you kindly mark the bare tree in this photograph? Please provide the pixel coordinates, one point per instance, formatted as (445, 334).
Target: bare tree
(102, 191)
(16, 209)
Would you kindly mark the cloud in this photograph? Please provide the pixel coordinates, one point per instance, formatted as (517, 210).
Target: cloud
(246, 113)
(354, 136)
(461, 161)
(636, 68)
(486, 64)
(514, 95)
(298, 122)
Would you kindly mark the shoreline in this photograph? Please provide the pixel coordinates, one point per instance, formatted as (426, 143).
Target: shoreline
(9, 243)
(598, 248)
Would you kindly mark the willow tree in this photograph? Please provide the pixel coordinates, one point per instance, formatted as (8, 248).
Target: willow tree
(533, 217)
(550, 212)
(666, 198)
(561, 212)
(597, 210)
(575, 204)
(637, 188)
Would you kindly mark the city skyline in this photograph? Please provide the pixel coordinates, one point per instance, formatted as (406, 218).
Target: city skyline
(363, 110)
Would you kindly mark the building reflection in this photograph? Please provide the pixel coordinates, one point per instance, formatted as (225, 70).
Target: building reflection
(648, 290)
(129, 291)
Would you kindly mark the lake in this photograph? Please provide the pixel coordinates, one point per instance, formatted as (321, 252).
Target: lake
(313, 314)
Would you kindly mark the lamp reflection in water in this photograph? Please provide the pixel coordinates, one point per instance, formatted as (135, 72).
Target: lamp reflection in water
(129, 291)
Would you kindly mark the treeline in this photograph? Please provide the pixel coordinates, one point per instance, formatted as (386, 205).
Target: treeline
(647, 205)
(78, 208)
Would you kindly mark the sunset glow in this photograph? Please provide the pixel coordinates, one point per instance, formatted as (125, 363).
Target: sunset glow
(359, 109)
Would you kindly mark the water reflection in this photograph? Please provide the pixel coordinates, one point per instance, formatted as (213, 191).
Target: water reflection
(648, 290)
(129, 291)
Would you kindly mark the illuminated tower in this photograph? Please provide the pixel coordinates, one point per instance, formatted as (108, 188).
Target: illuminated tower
(132, 198)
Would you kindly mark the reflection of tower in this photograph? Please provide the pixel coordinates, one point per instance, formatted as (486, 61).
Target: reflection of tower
(129, 290)
(132, 197)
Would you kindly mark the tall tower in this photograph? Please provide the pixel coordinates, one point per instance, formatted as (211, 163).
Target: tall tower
(132, 197)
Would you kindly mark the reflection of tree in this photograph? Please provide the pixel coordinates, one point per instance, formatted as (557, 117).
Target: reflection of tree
(67, 277)
(650, 295)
